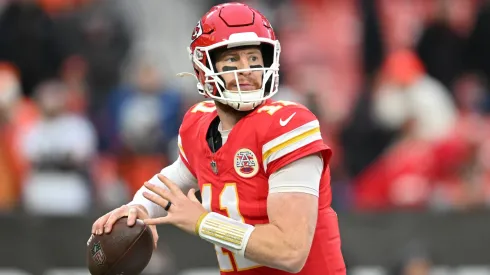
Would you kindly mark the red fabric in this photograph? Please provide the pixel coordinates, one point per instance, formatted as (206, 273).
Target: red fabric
(251, 190)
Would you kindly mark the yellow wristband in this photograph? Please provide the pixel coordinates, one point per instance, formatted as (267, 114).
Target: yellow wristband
(225, 232)
(199, 221)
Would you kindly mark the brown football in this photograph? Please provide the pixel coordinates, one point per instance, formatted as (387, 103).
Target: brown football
(126, 250)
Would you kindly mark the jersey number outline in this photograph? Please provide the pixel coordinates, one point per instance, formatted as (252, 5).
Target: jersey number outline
(275, 106)
(229, 202)
(204, 107)
(208, 107)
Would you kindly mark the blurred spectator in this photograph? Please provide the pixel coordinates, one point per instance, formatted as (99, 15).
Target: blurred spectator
(401, 22)
(421, 111)
(462, 176)
(372, 46)
(478, 55)
(408, 97)
(322, 53)
(73, 74)
(414, 260)
(105, 43)
(17, 114)
(363, 139)
(60, 6)
(443, 41)
(59, 148)
(28, 39)
(143, 121)
(96, 33)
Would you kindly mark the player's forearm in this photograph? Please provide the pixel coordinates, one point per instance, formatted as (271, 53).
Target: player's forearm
(285, 242)
(270, 246)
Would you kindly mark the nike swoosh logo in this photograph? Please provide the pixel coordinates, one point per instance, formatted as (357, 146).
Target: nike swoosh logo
(285, 122)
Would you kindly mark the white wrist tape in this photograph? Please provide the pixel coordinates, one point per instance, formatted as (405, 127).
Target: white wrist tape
(225, 232)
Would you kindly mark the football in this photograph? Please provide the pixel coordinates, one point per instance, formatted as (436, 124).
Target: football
(125, 250)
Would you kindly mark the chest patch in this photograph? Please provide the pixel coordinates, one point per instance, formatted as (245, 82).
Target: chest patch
(246, 164)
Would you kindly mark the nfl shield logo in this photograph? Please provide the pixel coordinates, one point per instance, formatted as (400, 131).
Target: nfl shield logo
(98, 254)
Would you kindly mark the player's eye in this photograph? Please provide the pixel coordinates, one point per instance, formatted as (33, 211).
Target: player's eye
(231, 59)
(254, 58)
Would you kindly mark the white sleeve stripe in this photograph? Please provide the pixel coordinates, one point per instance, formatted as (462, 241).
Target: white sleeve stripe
(290, 148)
(289, 135)
(181, 149)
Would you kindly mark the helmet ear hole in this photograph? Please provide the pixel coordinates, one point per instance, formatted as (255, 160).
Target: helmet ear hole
(214, 55)
(267, 54)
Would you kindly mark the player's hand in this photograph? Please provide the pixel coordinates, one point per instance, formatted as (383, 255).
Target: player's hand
(104, 224)
(185, 210)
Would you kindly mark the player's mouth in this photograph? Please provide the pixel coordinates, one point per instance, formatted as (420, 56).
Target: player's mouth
(245, 87)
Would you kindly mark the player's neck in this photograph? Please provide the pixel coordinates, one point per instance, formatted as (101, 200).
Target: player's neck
(228, 116)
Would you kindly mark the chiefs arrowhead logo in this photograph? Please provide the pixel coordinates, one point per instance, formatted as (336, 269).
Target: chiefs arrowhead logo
(197, 31)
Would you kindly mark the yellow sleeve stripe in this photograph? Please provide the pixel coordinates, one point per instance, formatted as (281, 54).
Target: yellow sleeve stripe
(291, 145)
(289, 135)
(290, 141)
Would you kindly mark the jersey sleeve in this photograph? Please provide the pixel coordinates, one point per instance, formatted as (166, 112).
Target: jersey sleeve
(187, 130)
(183, 157)
(300, 176)
(178, 173)
(294, 132)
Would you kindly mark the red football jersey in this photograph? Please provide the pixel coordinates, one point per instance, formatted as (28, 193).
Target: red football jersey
(234, 180)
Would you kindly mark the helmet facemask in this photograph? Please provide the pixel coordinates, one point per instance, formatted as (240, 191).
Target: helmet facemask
(213, 85)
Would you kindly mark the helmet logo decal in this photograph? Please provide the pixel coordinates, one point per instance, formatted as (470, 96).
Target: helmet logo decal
(199, 55)
(197, 31)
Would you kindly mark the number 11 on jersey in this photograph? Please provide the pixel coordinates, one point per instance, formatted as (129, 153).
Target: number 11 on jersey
(229, 202)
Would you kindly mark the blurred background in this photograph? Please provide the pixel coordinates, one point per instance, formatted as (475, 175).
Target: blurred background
(90, 108)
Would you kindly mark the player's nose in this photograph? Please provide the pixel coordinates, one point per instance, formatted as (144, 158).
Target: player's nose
(244, 64)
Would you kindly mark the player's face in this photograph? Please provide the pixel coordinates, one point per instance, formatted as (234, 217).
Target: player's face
(237, 59)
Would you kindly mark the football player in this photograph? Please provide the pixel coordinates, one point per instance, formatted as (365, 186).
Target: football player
(261, 165)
